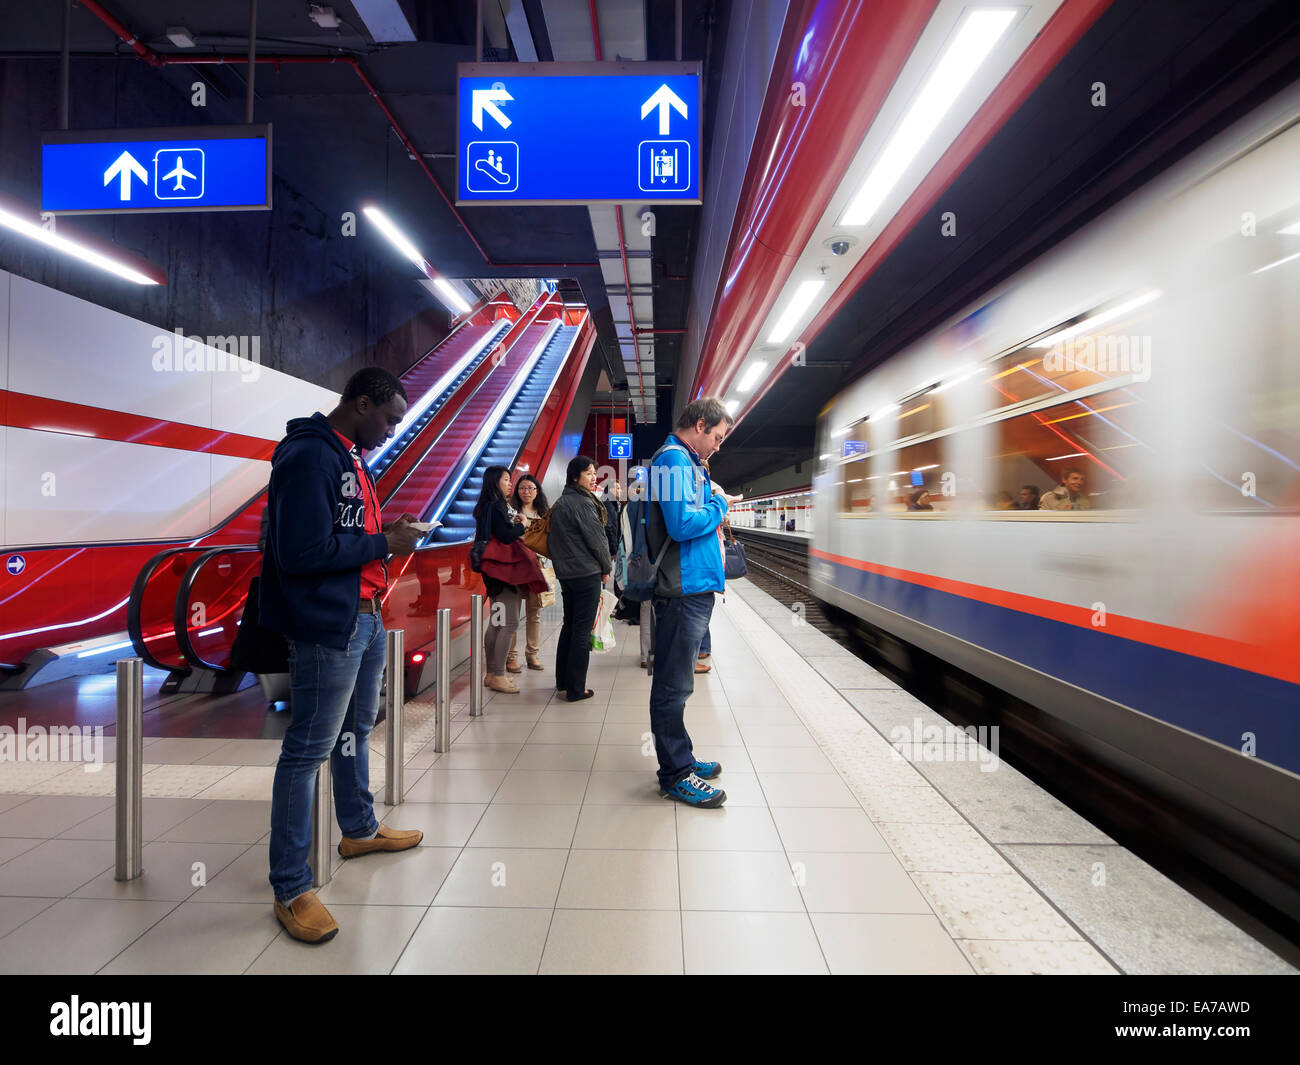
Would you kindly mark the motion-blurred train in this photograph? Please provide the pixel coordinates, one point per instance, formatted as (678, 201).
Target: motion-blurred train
(1085, 489)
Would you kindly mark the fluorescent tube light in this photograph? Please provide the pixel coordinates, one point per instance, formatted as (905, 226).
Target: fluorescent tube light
(11, 220)
(751, 377)
(451, 297)
(732, 406)
(972, 44)
(395, 235)
(803, 296)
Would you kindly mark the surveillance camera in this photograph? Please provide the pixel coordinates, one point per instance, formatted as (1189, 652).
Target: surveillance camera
(839, 247)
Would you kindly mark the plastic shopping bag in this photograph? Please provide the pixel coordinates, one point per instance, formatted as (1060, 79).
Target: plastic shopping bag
(602, 633)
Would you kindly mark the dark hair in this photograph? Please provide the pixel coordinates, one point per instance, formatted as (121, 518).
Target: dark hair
(374, 382)
(576, 467)
(489, 493)
(1071, 469)
(710, 408)
(539, 504)
(914, 500)
(1030, 488)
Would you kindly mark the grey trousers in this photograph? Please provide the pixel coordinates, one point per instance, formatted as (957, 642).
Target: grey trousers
(502, 621)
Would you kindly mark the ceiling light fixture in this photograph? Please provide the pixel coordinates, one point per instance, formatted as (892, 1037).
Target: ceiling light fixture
(12, 217)
(803, 296)
(971, 45)
(751, 377)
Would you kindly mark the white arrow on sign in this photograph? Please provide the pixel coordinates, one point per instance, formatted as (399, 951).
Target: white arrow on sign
(664, 98)
(485, 100)
(124, 166)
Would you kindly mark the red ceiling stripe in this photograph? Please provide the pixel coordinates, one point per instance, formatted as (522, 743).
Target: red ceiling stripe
(1063, 30)
(57, 416)
(846, 56)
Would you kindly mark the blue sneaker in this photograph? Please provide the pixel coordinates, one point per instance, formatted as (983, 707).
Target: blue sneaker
(707, 770)
(694, 792)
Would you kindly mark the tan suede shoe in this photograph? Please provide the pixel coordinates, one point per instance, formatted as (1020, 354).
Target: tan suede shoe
(388, 839)
(307, 919)
(513, 666)
(534, 662)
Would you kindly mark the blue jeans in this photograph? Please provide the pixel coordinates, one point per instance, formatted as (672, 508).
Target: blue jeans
(334, 700)
(680, 625)
(706, 644)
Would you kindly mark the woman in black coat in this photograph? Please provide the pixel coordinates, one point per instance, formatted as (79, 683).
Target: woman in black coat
(492, 518)
(580, 553)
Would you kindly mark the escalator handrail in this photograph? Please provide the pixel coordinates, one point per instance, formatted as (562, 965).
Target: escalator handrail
(133, 629)
(181, 609)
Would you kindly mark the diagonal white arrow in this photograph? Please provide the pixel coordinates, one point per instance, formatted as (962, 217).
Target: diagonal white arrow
(485, 100)
(664, 98)
(124, 166)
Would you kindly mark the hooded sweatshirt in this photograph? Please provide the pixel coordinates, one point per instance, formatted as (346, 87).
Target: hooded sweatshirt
(316, 541)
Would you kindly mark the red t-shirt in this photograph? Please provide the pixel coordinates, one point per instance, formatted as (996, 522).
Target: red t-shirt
(374, 574)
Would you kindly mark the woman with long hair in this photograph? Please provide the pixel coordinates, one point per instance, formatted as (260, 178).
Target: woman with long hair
(493, 522)
(580, 554)
(529, 503)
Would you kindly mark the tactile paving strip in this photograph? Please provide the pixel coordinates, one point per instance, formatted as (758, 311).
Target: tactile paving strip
(1024, 958)
(943, 849)
(992, 906)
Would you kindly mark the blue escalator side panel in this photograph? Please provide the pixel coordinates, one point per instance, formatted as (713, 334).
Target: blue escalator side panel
(506, 440)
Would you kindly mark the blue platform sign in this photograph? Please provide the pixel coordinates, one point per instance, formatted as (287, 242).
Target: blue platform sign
(548, 133)
(620, 445)
(154, 171)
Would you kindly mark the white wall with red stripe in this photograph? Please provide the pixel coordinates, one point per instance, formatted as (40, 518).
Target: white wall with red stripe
(70, 475)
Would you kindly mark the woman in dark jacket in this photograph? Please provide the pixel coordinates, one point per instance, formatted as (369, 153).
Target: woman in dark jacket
(492, 518)
(580, 553)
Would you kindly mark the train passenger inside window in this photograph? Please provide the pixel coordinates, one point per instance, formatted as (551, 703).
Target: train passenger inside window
(1003, 501)
(1068, 495)
(1028, 497)
(919, 500)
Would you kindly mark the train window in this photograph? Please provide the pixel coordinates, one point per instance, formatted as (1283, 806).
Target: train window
(911, 480)
(1066, 458)
(850, 449)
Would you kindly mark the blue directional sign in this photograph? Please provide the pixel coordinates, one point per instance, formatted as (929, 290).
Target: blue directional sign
(854, 447)
(545, 133)
(620, 445)
(200, 168)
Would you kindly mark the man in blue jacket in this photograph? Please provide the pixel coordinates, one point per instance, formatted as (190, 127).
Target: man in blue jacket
(682, 532)
(323, 578)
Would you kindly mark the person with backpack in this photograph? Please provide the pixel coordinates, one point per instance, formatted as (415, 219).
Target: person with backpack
(579, 550)
(684, 513)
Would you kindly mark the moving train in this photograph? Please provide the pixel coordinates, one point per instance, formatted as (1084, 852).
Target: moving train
(1084, 488)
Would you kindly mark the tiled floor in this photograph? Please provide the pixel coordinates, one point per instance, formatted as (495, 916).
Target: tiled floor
(547, 848)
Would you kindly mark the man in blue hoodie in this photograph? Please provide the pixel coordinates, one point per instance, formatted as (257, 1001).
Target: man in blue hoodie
(323, 578)
(682, 533)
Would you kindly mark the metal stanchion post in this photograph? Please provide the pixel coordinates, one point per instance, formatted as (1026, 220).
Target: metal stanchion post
(130, 767)
(475, 655)
(322, 808)
(394, 701)
(442, 657)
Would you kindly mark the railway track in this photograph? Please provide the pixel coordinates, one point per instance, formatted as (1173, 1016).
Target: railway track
(781, 570)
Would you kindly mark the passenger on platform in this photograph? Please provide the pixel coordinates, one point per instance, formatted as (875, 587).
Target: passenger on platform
(1028, 497)
(323, 577)
(1068, 495)
(493, 522)
(529, 503)
(611, 499)
(920, 500)
(1003, 501)
(685, 512)
(580, 553)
